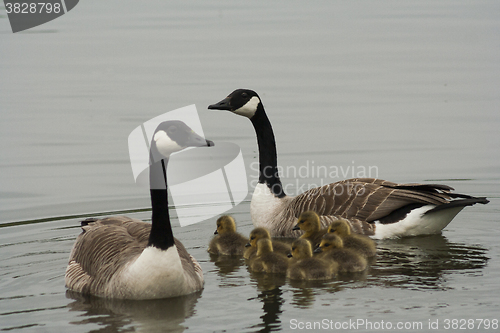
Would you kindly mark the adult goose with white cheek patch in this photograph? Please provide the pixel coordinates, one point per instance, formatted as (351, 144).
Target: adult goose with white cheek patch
(374, 207)
(124, 258)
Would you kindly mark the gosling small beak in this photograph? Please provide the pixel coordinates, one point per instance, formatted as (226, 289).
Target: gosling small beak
(318, 250)
(216, 232)
(248, 244)
(289, 255)
(296, 227)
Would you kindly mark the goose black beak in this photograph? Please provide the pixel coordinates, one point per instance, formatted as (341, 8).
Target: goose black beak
(318, 250)
(296, 227)
(195, 140)
(222, 105)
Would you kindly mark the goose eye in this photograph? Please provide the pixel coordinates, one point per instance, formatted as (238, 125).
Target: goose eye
(172, 129)
(244, 94)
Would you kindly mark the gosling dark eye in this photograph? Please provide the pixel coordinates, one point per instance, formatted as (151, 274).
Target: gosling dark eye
(252, 238)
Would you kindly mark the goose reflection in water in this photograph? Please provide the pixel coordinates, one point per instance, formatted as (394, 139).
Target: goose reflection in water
(114, 315)
(424, 262)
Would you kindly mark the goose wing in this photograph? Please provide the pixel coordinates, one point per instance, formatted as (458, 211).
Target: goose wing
(369, 199)
(192, 268)
(103, 248)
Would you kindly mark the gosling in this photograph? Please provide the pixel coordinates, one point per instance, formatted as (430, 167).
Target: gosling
(362, 244)
(260, 233)
(226, 240)
(309, 222)
(303, 266)
(349, 261)
(266, 260)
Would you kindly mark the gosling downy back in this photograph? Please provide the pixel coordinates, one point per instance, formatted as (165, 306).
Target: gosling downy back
(265, 260)
(332, 247)
(303, 266)
(362, 244)
(260, 233)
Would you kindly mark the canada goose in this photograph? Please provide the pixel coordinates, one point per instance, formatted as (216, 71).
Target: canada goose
(265, 260)
(226, 240)
(303, 266)
(119, 257)
(332, 247)
(360, 243)
(309, 222)
(259, 233)
(375, 207)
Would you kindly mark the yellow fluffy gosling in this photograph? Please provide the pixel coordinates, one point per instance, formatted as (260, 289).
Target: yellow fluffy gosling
(266, 260)
(226, 240)
(309, 223)
(303, 266)
(363, 244)
(260, 233)
(349, 261)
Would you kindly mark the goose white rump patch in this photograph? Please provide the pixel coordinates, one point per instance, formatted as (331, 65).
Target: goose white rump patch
(417, 223)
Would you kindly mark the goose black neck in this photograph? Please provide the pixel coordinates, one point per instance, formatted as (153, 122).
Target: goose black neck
(161, 235)
(268, 160)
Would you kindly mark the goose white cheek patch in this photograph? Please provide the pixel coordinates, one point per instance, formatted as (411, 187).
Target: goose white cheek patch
(204, 182)
(249, 109)
(165, 145)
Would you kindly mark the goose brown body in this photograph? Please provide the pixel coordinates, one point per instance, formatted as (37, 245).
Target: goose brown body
(104, 250)
(119, 257)
(373, 207)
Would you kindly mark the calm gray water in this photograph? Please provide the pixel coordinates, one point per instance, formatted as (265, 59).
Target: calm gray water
(409, 89)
